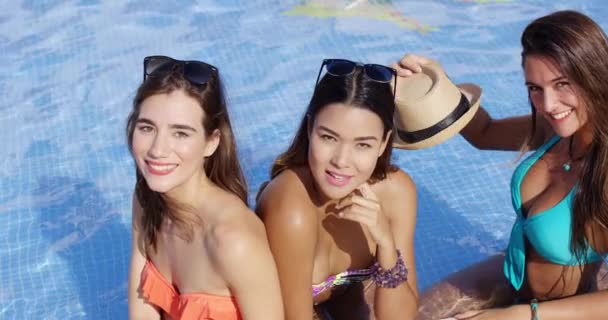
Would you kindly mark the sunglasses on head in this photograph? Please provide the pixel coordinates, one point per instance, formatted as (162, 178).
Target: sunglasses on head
(343, 67)
(197, 72)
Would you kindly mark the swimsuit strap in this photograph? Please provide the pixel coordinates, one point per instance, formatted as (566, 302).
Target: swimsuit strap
(343, 278)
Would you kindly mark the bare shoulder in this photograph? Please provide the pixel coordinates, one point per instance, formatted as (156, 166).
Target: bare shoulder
(397, 193)
(396, 184)
(236, 223)
(240, 235)
(286, 200)
(289, 184)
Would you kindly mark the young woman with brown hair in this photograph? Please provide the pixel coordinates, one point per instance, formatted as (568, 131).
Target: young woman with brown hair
(198, 251)
(554, 263)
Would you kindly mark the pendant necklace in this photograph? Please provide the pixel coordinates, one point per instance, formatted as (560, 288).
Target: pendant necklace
(567, 166)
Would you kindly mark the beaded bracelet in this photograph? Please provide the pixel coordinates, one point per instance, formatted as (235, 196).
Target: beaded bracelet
(534, 309)
(392, 277)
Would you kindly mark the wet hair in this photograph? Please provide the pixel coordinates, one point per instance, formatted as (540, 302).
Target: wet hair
(355, 90)
(579, 47)
(222, 167)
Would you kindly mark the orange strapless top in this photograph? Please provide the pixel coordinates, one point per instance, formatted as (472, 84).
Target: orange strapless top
(157, 291)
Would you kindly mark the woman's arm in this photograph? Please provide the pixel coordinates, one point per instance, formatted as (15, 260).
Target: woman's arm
(245, 262)
(292, 233)
(484, 132)
(138, 308)
(583, 306)
(588, 306)
(398, 201)
(388, 211)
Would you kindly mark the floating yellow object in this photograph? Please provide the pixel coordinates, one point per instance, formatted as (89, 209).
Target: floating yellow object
(378, 11)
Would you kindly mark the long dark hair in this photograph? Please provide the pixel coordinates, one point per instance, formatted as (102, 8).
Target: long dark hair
(222, 167)
(355, 90)
(579, 47)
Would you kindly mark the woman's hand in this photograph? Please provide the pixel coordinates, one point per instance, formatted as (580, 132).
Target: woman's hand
(410, 64)
(362, 206)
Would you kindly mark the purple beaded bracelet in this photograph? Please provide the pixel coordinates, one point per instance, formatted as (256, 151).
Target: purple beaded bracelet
(392, 277)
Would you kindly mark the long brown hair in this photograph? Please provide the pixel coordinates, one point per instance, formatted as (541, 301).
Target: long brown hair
(579, 47)
(355, 90)
(222, 167)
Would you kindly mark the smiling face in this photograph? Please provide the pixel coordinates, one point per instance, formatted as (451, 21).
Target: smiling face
(553, 95)
(345, 143)
(169, 142)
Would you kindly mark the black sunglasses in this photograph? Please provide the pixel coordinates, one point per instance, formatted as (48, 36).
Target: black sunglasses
(197, 72)
(343, 67)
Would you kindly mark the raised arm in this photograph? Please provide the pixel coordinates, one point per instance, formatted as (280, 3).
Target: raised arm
(388, 211)
(245, 262)
(399, 204)
(138, 308)
(484, 132)
(292, 233)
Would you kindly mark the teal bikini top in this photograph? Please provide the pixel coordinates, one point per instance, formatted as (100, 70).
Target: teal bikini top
(549, 232)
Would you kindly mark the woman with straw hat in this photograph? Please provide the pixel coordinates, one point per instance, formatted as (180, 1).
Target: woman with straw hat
(553, 267)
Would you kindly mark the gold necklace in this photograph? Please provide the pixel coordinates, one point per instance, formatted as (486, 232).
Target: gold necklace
(567, 166)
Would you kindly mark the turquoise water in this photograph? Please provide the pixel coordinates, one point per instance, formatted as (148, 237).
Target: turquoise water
(70, 70)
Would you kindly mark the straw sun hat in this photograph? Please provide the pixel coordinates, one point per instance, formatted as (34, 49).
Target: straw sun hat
(430, 108)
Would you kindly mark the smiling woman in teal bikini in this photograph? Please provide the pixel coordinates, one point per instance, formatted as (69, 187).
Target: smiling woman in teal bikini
(339, 217)
(553, 267)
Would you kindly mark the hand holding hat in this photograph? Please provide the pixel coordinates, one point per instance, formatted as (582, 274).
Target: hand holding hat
(429, 107)
(411, 64)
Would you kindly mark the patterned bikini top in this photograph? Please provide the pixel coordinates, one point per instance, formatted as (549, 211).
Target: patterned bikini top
(342, 278)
